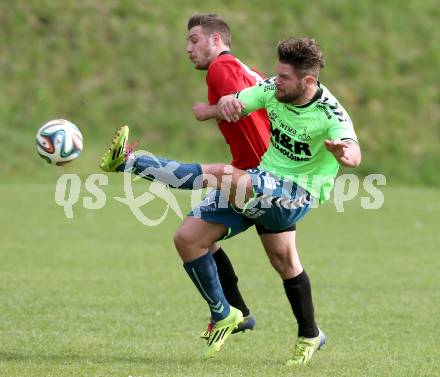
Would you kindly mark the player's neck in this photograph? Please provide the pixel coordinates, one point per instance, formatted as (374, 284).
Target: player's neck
(221, 50)
(308, 95)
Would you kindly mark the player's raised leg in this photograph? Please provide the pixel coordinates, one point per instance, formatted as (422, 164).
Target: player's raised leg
(120, 157)
(235, 183)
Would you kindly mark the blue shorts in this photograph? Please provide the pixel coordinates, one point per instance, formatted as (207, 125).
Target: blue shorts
(277, 205)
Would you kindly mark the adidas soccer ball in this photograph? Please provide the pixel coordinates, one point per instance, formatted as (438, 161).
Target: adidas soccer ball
(59, 141)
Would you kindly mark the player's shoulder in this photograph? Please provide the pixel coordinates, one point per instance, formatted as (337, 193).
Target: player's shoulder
(223, 66)
(222, 61)
(268, 85)
(331, 107)
(264, 89)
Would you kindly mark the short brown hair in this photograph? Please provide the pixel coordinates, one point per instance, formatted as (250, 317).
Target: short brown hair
(303, 54)
(211, 23)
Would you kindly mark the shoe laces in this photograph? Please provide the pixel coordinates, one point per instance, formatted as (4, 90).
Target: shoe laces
(129, 149)
(210, 326)
(300, 348)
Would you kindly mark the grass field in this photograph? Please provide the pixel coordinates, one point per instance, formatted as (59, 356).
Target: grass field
(103, 295)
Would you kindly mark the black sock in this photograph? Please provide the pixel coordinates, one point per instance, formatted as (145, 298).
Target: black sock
(299, 293)
(229, 281)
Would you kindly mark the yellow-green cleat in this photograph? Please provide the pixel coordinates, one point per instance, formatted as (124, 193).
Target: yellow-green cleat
(115, 155)
(248, 323)
(221, 331)
(305, 349)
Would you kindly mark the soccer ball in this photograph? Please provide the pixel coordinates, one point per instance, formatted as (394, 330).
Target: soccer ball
(59, 142)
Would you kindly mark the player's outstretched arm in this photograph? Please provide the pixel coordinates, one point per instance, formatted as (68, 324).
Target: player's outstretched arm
(229, 108)
(347, 153)
(203, 111)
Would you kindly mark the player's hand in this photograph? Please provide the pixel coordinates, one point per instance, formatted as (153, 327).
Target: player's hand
(229, 108)
(348, 154)
(203, 111)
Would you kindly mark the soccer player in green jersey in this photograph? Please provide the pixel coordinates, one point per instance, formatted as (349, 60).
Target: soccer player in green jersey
(311, 135)
(306, 120)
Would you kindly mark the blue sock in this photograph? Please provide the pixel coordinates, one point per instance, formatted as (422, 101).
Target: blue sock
(170, 172)
(203, 273)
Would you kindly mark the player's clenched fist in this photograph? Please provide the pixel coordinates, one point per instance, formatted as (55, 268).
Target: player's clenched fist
(229, 108)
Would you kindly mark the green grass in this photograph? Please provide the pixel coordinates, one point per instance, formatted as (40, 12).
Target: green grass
(103, 295)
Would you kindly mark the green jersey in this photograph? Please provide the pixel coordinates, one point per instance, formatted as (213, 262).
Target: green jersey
(296, 150)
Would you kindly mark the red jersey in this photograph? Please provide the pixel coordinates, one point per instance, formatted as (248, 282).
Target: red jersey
(248, 138)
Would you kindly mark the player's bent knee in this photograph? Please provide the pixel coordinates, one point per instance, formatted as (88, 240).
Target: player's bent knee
(277, 264)
(284, 264)
(184, 240)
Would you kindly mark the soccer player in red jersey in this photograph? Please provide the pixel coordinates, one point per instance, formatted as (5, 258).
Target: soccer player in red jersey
(208, 47)
(248, 138)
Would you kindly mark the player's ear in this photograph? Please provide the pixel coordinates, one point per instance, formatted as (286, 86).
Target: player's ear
(309, 80)
(216, 38)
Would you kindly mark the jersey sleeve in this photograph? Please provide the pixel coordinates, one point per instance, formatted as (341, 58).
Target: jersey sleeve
(224, 79)
(255, 97)
(341, 127)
